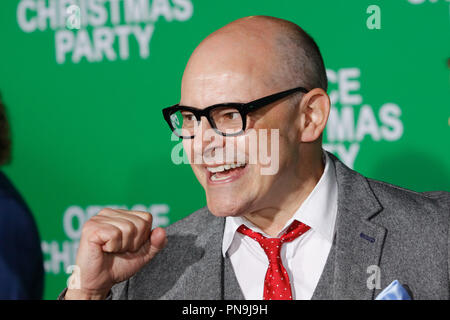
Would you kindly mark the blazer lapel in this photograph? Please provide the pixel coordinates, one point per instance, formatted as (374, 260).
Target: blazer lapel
(222, 282)
(203, 280)
(231, 288)
(352, 266)
(325, 288)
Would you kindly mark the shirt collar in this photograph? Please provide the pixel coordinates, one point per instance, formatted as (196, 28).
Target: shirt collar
(318, 210)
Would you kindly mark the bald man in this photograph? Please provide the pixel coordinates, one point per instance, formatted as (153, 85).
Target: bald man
(311, 228)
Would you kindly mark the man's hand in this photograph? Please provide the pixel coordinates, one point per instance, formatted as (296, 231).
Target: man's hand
(114, 245)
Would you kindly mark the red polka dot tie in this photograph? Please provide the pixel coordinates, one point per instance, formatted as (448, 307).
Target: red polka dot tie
(276, 282)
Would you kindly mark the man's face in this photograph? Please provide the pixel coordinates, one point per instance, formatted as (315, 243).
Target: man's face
(219, 76)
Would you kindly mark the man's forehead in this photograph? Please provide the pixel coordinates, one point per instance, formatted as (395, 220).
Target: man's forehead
(225, 82)
(208, 87)
(215, 81)
(227, 77)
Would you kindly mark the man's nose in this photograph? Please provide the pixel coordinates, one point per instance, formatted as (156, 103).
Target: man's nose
(206, 139)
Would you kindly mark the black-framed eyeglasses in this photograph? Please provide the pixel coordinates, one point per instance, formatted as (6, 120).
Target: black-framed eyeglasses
(227, 119)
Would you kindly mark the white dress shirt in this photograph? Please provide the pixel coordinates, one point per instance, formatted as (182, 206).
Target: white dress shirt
(304, 258)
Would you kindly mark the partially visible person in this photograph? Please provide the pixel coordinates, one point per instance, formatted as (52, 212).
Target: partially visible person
(313, 229)
(21, 266)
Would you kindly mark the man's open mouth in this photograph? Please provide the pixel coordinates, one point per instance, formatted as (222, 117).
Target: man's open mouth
(226, 172)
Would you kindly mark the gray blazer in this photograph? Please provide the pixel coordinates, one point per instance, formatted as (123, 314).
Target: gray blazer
(401, 233)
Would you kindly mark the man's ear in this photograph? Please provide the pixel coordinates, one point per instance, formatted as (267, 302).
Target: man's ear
(315, 108)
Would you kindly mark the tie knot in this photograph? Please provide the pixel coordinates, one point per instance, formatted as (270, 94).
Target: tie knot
(272, 246)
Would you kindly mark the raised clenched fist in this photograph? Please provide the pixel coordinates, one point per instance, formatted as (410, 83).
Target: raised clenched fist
(114, 245)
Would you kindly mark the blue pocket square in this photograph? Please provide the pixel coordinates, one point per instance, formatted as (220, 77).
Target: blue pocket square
(394, 291)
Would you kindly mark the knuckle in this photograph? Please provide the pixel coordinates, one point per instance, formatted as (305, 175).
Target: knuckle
(89, 227)
(144, 215)
(116, 233)
(141, 225)
(129, 227)
(105, 212)
(148, 217)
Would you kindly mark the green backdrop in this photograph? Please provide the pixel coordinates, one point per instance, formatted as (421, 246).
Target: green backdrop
(84, 105)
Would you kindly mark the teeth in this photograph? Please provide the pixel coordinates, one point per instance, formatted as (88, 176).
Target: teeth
(214, 178)
(225, 167)
(216, 169)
